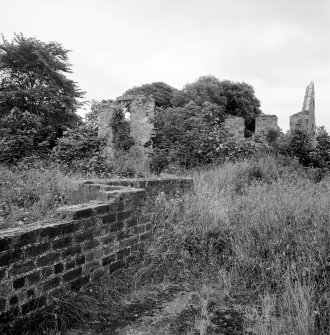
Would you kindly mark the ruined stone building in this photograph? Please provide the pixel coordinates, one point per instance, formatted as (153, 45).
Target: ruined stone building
(140, 111)
(265, 123)
(306, 118)
(235, 126)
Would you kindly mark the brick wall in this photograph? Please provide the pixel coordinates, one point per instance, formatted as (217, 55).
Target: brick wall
(90, 189)
(39, 260)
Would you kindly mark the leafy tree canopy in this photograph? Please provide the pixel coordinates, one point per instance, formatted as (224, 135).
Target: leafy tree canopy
(33, 79)
(162, 92)
(186, 136)
(232, 98)
(37, 101)
(205, 89)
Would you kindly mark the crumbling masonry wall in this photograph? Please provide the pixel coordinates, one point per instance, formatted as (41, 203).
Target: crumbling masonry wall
(141, 111)
(265, 123)
(306, 118)
(142, 116)
(40, 260)
(105, 132)
(235, 126)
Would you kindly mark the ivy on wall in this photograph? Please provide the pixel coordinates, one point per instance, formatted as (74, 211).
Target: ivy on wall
(122, 140)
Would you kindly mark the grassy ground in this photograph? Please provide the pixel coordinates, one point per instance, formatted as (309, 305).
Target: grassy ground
(34, 189)
(29, 194)
(246, 253)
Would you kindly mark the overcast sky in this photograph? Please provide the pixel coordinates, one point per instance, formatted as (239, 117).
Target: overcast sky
(277, 46)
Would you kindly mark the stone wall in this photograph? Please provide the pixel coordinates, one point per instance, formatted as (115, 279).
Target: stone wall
(142, 115)
(88, 190)
(141, 112)
(306, 118)
(105, 132)
(235, 126)
(266, 122)
(39, 260)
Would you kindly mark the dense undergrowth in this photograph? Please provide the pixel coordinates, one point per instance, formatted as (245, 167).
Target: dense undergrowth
(257, 231)
(32, 190)
(253, 239)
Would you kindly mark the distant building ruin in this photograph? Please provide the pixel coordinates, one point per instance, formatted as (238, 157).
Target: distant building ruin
(264, 123)
(235, 126)
(105, 131)
(306, 118)
(140, 111)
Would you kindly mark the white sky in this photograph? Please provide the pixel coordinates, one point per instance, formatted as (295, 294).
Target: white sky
(277, 46)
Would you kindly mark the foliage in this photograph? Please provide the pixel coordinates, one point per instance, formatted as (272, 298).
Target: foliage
(241, 101)
(79, 150)
(34, 86)
(321, 154)
(186, 136)
(206, 89)
(231, 98)
(31, 192)
(252, 232)
(162, 92)
(121, 131)
(300, 145)
(23, 134)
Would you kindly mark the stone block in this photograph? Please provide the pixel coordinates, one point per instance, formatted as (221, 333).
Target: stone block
(4, 244)
(19, 283)
(34, 277)
(37, 250)
(123, 253)
(71, 251)
(20, 268)
(51, 284)
(48, 259)
(62, 243)
(80, 260)
(117, 226)
(58, 268)
(108, 259)
(74, 274)
(109, 218)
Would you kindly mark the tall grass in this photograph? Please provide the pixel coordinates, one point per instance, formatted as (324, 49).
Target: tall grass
(263, 227)
(250, 244)
(28, 194)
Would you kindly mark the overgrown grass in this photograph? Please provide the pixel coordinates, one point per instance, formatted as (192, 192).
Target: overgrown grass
(251, 247)
(256, 232)
(31, 194)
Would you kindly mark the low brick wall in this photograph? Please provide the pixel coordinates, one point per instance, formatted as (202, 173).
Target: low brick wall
(39, 260)
(90, 189)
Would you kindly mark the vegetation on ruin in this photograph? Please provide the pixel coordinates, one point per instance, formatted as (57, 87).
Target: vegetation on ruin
(246, 252)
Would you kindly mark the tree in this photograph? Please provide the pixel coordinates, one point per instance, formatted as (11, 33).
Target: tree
(205, 89)
(162, 93)
(33, 80)
(300, 144)
(321, 153)
(232, 98)
(186, 137)
(241, 101)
